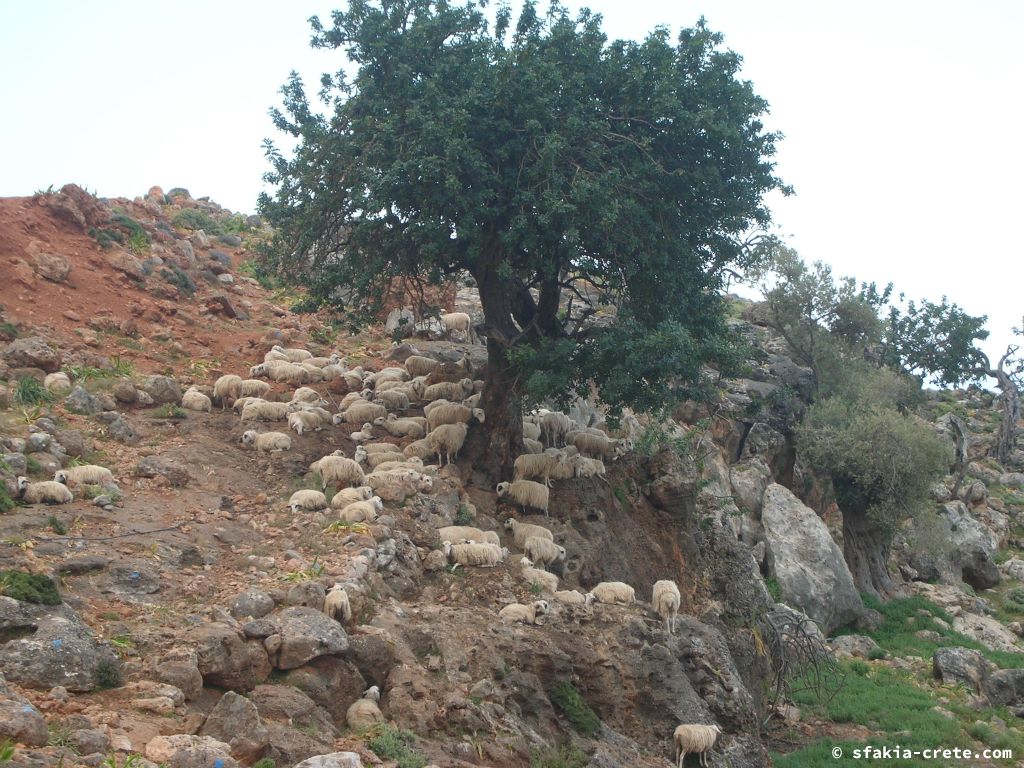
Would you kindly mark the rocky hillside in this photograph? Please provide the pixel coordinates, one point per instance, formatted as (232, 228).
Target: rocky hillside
(175, 615)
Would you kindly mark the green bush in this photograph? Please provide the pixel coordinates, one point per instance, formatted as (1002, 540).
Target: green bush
(194, 218)
(266, 762)
(170, 411)
(6, 751)
(108, 675)
(106, 237)
(463, 516)
(135, 233)
(567, 699)
(774, 590)
(173, 274)
(29, 587)
(1015, 598)
(393, 744)
(29, 391)
(566, 757)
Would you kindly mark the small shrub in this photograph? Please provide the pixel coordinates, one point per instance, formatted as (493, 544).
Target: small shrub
(29, 587)
(170, 411)
(265, 762)
(463, 516)
(859, 668)
(32, 465)
(6, 751)
(29, 391)
(774, 590)
(108, 675)
(566, 757)
(56, 525)
(393, 744)
(121, 367)
(6, 502)
(306, 305)
(194, 218)
(173, 274)
(567, 699)
(1015, 598)
(876, 654)
(9, 330)
(137, 238)
(106, 237)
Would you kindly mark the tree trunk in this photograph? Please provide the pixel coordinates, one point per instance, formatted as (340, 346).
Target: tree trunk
(1011, 415)
(866, 549)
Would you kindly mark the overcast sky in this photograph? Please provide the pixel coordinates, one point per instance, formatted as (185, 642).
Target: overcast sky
(903, 119)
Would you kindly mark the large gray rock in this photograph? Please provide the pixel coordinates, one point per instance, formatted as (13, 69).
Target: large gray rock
(174, 472)
(19, 720)
(806, 562)
(51, 266)
(331, 682)
(333, 760)
(401, 321)
(80, 401)
(32, 352)
(304, 634)
(163, 389)
(285, 704)
(1005, 687)
(236, 721)
(53, 646)
(252, 604)
(973, 546)
(1012, 479)
(961, 665)
(182, 674)
(226, 659)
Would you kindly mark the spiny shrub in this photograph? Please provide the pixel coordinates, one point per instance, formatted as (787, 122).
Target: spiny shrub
(567, 699)
(29, 587)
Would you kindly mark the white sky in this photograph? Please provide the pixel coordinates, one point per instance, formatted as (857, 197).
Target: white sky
(903, 118)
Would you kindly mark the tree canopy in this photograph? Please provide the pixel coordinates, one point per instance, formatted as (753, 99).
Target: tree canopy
(596, 191)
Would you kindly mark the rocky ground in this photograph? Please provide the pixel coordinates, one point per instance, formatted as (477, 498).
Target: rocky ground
(189, 630)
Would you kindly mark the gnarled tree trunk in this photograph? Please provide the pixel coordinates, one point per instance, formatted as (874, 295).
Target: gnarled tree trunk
(866, 550)
(1007, 434)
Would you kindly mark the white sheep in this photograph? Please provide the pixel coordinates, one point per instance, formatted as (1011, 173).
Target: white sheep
(694, 738)
(241, 402)
(386, 374)
(347, 496)
(392, 399)
(400, 427)
(307, 500)
(227, 388)
(263, 410)
(526, 493)
(58, 383)
(449, 390)
(379, 448)
(614, 593)
(531, 430)
(364, 434)
(555, 425)
(457, 321)
(84, 474)
(527, 614)
(194, 400)
(362, 511)
(474, 553)
(523, 531)
(467, 532)
(307, 421)
(376, 459)
(665, 600)
(44, 492)
(453, 413)
(339, 471)
(587, 467)
(572, 597)
(542, 551)
(293, 355)
(417, 365)
(388, 466)
(419, 449)
(398, 483)
(547, 582)
(350, 399)
(253, 388)
(268, 442)
(337, 605)
(362, 412)
(448, 439)
(364, 713)
(531, 465)
(307, 395)
(532, 446)
(598, 446)
(289, 373)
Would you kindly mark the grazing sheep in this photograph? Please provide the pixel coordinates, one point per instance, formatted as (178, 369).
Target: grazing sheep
(448, 439)
(336, 604)
(360, 413)
(547, 582)
(263, 410)
(527, 614)
(84, 474)
(614, 593)
(543, 552)
(573, 597)
(400, 427)
(449, 390)
(364, 713)
(253, 388)
(452, 413)
(44, 492)
(526, 493)
(417, 365)
(307, 395)
(392, 399)
(457, 321)
(362, 511)
(538, 465)
(420, 449)
(523, 531)
(467, 532)
(226, 388)
(267, 441)
(532, 446)
(555, 425)
(289, 373)
(339, 471)
(598, 446)
(307, 421)
(308, 500)
(58, 383)
(665, 601)
(194, 400)
(241, 402)
(587, 467)
(347, 496)
(694, 738)
(474, 553)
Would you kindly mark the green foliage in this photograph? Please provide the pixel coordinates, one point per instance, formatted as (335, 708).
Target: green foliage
(29, 587)
(137, 238)
(7, 750)
(568, 701)
(325, 334)
(9, 330)
(174, 275)
(1015, 598)
(30, 391)
(393, 744)
(6, 502)
(265, 762)
(257, 270)
(463, 516)
(106, 237)
(621, 175)
(121, 367)
(170, 411)
(129, 761)
(108, 674)
(56, 525)
(774, 590)
(565, 757)
(196, 218)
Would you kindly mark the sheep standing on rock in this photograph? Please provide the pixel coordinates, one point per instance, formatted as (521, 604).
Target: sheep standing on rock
(417, 365)
(84, 474)
(694, 738)
(268, 442)
(226, 388)
(364, 713)
(339, 471)
(45, 492)
(308, 500)
(614, 593)
(547, 582)
(473, 553)
(448, 439)
(665, 600)
(525, 493)
(527, 614)
(531, 465)
(522, 531)
(449, 390)
(337, 605)
(457, 321)
(543, 552)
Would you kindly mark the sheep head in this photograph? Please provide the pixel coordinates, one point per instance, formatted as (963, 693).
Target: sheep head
(61, 477)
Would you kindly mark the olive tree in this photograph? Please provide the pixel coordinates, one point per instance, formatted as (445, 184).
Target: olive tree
(595, 190)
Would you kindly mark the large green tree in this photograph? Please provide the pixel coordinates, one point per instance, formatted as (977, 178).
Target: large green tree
(596, 191)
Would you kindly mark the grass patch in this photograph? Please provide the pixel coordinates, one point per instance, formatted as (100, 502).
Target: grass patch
(56, 525)
(29, 391)
(463, 516)
(9, 329)
(566, 757)
(265, 762)
(393, 744)
(7, 750)
(29, 587)
(195, 218)
(774, 590)
(170, 411)
(568, 701)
